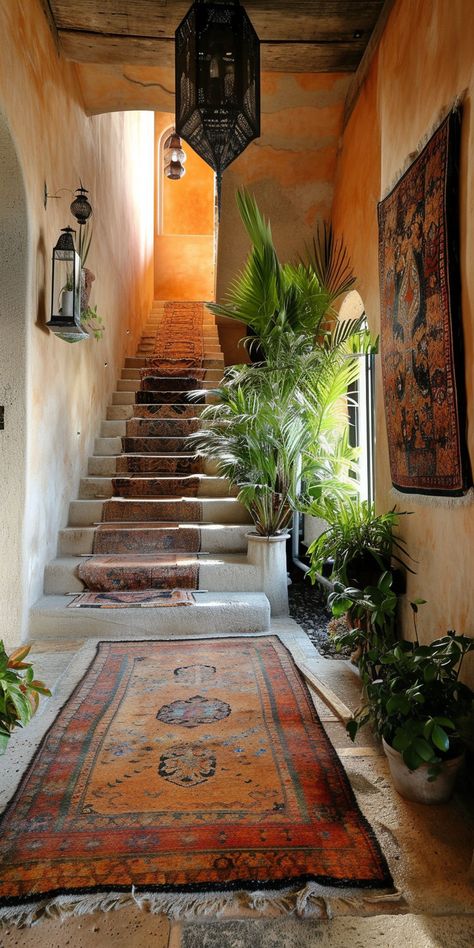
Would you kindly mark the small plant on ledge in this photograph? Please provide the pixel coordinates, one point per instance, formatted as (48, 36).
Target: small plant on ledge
(19, 692)
(93, 322)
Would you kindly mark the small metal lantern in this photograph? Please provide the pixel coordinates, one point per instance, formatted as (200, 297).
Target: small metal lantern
(65, 319)
(174, 157)
(217, 82)
(81, 208)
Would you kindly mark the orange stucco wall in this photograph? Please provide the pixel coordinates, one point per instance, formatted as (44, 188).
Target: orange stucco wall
(425, 60)
(184, 226)
(67, 387)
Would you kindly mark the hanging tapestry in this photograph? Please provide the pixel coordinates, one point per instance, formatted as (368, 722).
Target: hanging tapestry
(421, 327)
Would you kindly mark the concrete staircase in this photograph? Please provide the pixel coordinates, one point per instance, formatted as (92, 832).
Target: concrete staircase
(229, 597)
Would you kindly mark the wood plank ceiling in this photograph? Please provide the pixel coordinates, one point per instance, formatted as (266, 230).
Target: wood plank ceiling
(296, 35)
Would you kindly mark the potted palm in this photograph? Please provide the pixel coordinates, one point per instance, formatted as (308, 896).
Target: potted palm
(279, 424)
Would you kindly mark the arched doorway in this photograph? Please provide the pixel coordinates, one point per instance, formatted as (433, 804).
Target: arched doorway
(184, 225)
(362, 404)
(13, 381)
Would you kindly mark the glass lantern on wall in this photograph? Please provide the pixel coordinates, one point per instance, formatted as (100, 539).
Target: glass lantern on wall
(65, 319)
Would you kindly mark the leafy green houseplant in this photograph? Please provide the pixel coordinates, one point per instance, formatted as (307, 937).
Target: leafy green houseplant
(19, 692)
(90, 318)
(422, 711)
(360, 543)
(372, 613)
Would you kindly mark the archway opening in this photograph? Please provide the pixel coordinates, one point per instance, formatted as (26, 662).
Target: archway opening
(184, 224)
(13, 382)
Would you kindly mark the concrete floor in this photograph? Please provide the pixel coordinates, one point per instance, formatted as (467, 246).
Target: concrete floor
(429, 849)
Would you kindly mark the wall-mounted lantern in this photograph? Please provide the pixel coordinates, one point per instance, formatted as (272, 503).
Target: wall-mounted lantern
(81, 208)
(217, 55)
(65, 319)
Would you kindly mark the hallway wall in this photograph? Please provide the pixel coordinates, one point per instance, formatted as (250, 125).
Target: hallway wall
(68, 386)
(424, 61)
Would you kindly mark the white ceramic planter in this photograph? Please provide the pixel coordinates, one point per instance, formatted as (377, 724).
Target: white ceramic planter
(269, 555)
(67, 304)
(414, 784)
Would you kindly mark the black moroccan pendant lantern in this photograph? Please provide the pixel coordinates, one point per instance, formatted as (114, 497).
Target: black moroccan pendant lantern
(217, 82)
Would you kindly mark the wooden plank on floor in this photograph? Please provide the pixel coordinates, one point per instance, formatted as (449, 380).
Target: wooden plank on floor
(342, 712)
(358, 751)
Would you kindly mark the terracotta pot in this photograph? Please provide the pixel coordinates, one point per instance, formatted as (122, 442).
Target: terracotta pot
(414, 784)
(87, 279)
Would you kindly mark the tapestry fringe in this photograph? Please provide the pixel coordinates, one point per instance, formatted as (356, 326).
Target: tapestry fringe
(313, 901)
(432, 500)
(442, 115)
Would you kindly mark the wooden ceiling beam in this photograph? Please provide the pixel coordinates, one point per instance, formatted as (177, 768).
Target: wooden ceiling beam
(317, 20)
(281, 56)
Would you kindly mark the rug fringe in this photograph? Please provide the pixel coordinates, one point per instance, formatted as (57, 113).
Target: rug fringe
(312, 901)
(442, 115)
(432, 500)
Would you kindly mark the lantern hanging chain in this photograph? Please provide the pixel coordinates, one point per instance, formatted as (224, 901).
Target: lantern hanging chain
(219, 194)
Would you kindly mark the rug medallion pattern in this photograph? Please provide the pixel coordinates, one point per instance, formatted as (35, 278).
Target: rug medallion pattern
(186, 765)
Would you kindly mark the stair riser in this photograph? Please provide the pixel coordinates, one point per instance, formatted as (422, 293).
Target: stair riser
(122, 485)
(61, 578)
(212, 614)
(109, 466)
(150, 427)
(74, 541)
(155, 446)
(84, 513)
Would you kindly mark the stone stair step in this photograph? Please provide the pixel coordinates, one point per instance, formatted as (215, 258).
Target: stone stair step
(108, 466)
(217, 573)
(164, 426)
(214, 538)
(212, 613)
(150, 485)
(127, 412)
(84, 513)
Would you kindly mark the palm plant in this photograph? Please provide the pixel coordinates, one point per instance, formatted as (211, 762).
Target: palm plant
(281, 424)
(285, 303)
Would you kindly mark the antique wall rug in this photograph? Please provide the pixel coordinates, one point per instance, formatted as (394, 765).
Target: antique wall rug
(179, 774)
(421, 322)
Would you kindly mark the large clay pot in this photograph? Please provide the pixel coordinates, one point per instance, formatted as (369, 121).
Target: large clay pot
(269, 555)
(414, 784)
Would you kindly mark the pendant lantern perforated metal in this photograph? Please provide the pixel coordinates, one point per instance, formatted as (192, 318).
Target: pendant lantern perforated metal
(217, 82)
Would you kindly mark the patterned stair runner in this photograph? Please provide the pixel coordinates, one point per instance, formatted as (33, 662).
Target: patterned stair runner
(149, 537)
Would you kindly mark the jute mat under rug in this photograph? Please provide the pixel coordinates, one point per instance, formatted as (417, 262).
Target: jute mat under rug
(178, 769)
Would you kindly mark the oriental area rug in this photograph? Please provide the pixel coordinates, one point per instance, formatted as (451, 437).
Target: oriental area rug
(421, 323)
(184, 766)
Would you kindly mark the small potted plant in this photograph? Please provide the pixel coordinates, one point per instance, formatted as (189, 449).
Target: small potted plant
(360, 543)
(19, 692)
(422, 711)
